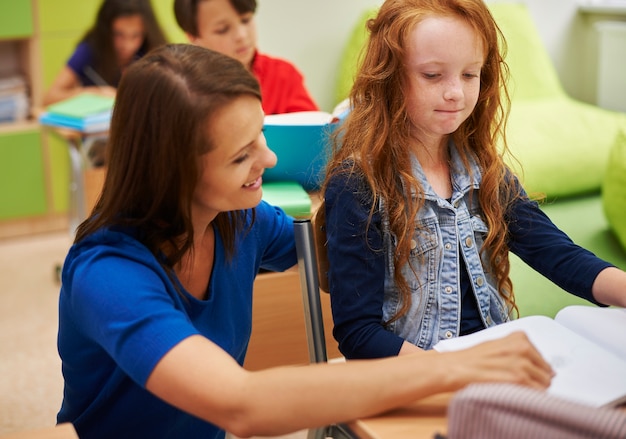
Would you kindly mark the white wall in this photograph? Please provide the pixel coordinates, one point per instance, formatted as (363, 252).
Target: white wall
(311, 33)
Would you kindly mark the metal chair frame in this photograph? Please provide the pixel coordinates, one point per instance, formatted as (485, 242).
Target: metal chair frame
(309, 281)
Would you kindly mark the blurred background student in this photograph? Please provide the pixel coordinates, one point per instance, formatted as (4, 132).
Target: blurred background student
(124, 31)
(229, 27)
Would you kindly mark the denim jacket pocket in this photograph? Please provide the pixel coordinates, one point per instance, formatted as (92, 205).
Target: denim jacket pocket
(480, 230)
(423, 257)
(420, 273)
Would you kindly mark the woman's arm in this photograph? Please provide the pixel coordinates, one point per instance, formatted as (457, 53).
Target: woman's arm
(67, 85)
(198, 377)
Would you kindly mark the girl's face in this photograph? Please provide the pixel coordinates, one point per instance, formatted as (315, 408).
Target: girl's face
(128, 36)
(444, 60)
(231, 172)
(221, 28)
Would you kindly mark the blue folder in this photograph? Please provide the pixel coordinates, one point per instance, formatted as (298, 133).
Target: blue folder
(302, 149)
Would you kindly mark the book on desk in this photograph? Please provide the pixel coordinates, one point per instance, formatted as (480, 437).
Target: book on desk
(86, 112)
(301, 142)
(584, 345)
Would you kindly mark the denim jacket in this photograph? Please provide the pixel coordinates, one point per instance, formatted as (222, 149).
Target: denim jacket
(445, 231)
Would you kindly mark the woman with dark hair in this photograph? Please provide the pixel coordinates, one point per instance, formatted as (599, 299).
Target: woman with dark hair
(124, 31)
(155, 307)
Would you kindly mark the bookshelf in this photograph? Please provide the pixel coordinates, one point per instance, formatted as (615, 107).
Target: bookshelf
(36, 39)
(23, 198)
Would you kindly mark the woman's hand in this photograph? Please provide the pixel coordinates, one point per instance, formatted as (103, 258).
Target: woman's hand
(511, 359)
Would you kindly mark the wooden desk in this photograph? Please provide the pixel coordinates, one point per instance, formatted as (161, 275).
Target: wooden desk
(61, 431)
(421, 420)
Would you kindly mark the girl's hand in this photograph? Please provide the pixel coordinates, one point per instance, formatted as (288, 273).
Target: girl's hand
(100, 90)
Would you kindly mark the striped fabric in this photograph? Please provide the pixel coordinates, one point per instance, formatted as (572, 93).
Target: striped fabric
(505, 411)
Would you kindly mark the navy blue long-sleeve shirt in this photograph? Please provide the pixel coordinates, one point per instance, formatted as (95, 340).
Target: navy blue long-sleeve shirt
(357, 299)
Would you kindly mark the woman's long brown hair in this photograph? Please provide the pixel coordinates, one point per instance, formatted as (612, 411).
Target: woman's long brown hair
(376, 133)
(159, 129)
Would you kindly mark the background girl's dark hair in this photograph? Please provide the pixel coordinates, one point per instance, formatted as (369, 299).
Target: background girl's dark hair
(186, 12)
(100, 36)
(159, 129)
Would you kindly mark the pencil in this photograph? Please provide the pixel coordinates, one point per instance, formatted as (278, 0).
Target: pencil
(95, 78)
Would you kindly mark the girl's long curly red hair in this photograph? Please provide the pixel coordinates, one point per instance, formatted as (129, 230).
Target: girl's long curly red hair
(376, 133)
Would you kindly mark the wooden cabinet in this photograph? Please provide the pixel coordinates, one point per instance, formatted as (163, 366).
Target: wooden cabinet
(36, 39)
(23, 189)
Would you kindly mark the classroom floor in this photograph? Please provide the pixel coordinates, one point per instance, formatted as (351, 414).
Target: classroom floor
(31, 384)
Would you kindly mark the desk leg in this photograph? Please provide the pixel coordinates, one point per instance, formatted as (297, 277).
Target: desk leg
(77, 185)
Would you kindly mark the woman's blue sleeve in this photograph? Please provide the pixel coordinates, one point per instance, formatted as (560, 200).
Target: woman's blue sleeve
(274, 230)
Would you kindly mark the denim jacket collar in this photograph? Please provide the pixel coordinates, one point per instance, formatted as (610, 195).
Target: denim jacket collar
(461, 180)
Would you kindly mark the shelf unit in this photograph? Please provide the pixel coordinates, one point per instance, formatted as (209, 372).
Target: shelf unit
(36, 38)
(24, 197)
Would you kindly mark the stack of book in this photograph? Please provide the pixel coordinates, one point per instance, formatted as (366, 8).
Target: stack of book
(14, 104)
(87, 113)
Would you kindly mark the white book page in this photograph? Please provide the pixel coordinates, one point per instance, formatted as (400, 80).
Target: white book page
(299, 118)
(585, 372)
(605, 327)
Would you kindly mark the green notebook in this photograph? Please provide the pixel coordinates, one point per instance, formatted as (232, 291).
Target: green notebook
(82, 106)
(288, 195)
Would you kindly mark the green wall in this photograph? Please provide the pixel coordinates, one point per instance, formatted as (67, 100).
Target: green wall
(59, 34)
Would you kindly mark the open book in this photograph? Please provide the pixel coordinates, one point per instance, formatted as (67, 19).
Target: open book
(585, 345)
(301, 142)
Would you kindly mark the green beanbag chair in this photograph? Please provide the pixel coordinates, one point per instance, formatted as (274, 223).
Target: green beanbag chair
(560, 146)
(614, 189)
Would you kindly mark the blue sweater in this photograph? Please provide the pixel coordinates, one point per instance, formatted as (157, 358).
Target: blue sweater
(358, 309)
(120, 313)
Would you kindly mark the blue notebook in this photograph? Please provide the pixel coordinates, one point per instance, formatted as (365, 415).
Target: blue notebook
(301, 143)
(86, 112)
(289, 196)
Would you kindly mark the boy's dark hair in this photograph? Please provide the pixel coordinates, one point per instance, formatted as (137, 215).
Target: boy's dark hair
(186, 12)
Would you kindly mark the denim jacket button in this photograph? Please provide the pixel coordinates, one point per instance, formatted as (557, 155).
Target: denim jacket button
(479, 281)
(448, 334)
(448, 290)
(468, 241)
(448, 246)
(413, 244)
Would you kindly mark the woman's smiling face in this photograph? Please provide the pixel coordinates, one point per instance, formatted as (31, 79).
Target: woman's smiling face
(231, 172)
